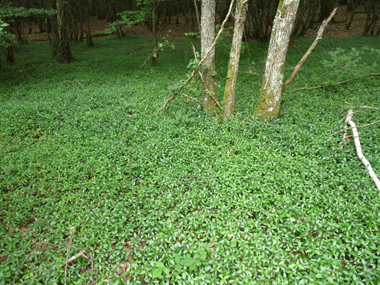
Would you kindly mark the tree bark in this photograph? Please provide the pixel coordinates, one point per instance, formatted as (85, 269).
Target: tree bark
(90, 43)
(207, 38)
(64, 46)
(233, 63)
(54, 39)
(156, 50)
(269, 102)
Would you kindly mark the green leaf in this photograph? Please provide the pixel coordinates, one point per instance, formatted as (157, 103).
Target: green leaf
(156, 272)
(193, 267)
(203, 256)
(188, 261)
(177, 258)
(178, 268)
(159, 264)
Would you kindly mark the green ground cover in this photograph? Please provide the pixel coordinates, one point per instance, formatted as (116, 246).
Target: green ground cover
(179, 198)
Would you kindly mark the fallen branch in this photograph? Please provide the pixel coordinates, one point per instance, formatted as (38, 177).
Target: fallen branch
(351, 115)
(341, 82)
(356, 127)
(72, 230)
(192, 98)
(80, 84)
(317, 39)
(75, 257)
(369, 107)
(359, 150)
(202, 60)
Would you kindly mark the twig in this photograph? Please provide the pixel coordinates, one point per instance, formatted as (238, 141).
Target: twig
(369, 107)
(317, 39)
(191, 98)
(80, 84)
(72, 230)
(202, 60)
(360, 152)
(180, 101)
(23, 264)
(356, 127)
(75, 257)
(352, 114)
(197, 14)
(203, 82)
(92, 269)
(341, 82)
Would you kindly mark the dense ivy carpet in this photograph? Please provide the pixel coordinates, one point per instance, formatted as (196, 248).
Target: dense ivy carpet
(178, 198)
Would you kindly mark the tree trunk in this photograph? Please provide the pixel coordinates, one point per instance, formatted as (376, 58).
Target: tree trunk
(64, 46)
(354, 5)
(271, 88)
(87, 19)
(15, 25)
(233, 63)
(9, 52)
(156, 51)
(54, 39)
(207, 38)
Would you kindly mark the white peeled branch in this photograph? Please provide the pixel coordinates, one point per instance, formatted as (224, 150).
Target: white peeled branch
(359, 149)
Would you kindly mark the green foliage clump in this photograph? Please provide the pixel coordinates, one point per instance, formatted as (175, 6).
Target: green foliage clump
(178, 197)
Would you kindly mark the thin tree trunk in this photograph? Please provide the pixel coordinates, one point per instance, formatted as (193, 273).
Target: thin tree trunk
(88, 29)
(207, 38)
(269, 102)
(156, 51)
(354, 4)
(64, 46)
(9, 52)
(54, 40)
(233, 63)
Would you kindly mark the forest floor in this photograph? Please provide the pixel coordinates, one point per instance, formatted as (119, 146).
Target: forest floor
(178, 198)
(335, 30)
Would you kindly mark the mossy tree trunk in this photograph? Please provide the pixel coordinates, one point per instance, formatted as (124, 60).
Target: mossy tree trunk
(64, 46)
(271, 86)
(233, 63)
(207, 38)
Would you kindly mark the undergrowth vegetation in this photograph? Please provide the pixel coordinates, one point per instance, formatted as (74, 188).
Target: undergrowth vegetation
(178, 198)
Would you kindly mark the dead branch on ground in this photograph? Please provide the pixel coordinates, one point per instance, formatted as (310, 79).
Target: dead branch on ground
(341, 82)
(359, 149)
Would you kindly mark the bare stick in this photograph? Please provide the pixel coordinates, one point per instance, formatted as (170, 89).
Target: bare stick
(357, 127)
(317, 39)
(351, 115)
(80, 84)
(74, 257)
(191, 98)
(196, 12)
(360, 152)
(369, 107)
(341, 82)
(203, 82)
(92, 269)
(202, 60)
(72, 230)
